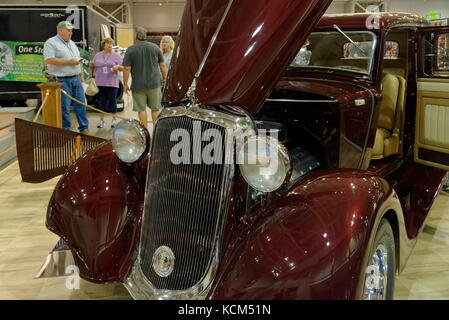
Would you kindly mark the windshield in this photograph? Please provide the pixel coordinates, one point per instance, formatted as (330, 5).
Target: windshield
(331, 50)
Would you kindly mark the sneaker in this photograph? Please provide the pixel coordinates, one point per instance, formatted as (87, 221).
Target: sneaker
(86, 132)
(100, 124)
(113, 123)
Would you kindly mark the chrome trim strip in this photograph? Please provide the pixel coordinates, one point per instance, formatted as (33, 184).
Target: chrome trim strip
(191, 91)
(137, 284)
(291, 100)
(231, 122)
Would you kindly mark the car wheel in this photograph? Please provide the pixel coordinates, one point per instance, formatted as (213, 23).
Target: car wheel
(381, 268)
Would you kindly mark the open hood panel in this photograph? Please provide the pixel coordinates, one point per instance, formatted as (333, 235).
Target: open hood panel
(199, 23)
(255, 43)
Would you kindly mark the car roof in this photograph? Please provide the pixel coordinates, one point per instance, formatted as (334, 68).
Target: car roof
(365, 21)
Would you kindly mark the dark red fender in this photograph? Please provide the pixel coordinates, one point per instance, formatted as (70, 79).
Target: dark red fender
(97, 208)
(309, 245)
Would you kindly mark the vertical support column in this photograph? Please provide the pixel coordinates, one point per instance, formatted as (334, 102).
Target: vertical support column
(129, 12)
(51, 111)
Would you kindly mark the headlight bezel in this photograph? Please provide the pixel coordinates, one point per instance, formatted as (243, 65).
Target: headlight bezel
(283, 157)
(142, 134)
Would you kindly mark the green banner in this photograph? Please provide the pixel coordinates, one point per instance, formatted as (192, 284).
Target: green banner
(433, 15)
(85, 62)
(24, 61)
(21, 61)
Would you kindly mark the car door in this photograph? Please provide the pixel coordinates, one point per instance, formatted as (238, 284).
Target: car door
(432, 114)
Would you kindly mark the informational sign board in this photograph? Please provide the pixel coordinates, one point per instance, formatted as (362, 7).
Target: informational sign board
(24, 61)
(21, 61)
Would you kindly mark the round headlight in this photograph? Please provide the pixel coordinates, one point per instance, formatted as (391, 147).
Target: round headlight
(130, 141)
(265, 163)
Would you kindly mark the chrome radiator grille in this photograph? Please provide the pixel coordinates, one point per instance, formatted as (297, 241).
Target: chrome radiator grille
(182, 208)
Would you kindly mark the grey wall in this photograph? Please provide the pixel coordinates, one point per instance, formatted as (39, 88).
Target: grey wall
(336, 7)
(155, 18)
(167, 18)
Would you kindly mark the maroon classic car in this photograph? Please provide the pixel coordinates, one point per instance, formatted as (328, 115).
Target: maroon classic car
(354, 113)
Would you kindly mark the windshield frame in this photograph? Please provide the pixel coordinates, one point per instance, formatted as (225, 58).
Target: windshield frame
(372, 56)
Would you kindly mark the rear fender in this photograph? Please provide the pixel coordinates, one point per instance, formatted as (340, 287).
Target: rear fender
(311, 243)
(97, 208)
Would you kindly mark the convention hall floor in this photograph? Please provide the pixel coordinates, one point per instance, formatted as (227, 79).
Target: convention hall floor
(25, 242)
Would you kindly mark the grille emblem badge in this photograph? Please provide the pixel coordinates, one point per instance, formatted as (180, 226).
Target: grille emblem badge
(163, 261)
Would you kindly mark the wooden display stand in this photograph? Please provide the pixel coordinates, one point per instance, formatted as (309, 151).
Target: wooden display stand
(51, 112)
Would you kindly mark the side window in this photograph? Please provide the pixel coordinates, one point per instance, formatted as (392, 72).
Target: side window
(436, 54)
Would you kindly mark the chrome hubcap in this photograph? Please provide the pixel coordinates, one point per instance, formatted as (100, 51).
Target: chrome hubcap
(376, 278)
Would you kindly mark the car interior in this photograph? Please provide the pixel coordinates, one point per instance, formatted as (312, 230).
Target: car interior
(390, 125)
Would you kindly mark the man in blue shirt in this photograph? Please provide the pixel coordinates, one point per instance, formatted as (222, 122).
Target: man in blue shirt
(63, 59)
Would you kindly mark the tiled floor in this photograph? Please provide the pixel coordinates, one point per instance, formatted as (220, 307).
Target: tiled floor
(24, 243)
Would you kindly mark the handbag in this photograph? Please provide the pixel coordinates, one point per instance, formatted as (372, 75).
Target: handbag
(92, 88)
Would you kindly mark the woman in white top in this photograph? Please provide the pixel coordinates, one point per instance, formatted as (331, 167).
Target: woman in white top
(167, 44)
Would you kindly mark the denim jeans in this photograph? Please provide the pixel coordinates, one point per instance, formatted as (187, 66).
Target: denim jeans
(73, 88)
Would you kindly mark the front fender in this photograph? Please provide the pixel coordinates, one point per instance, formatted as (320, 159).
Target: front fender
(310, 244)
(97, 208)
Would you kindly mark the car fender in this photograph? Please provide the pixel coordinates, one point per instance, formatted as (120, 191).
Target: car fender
(309, 244)
(96, 208)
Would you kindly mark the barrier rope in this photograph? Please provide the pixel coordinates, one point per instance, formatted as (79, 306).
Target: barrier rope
(47, 94)
(34, 120)
(93, 108)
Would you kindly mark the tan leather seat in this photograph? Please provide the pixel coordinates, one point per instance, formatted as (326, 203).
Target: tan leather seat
(391, 117)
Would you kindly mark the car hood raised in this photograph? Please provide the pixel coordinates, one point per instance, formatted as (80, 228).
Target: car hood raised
(254, 42)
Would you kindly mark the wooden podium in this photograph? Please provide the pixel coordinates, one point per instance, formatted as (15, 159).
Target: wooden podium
(51, 111)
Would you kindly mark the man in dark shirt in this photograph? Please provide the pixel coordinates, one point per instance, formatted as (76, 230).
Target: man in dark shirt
(145, 62)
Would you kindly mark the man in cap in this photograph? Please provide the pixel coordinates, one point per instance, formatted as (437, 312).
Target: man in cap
(63, 59)
(145, 62)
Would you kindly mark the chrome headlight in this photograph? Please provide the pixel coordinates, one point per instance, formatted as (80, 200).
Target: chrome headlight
(130, 141)
(265, 163)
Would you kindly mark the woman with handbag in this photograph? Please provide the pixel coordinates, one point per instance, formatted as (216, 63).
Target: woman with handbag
(105, 66)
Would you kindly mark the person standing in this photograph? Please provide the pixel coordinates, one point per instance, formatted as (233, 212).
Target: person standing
(145, 62)
(105, 66)
(167, 45)
(63, 59)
